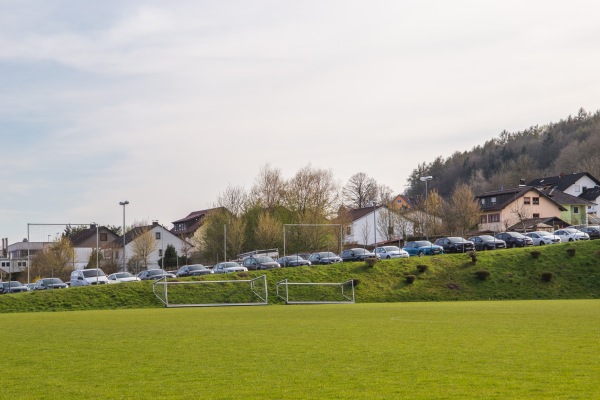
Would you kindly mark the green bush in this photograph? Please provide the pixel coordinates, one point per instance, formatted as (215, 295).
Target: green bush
(410, 278)
(535, 254)
(571, 252)
(547, 276)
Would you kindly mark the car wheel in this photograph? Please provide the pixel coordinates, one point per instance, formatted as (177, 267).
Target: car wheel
(421, 254)
(542, 243)
(486, 248)
(388, 257)
(513, 245)
(570, 239)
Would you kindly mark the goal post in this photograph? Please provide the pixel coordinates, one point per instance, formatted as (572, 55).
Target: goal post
(316, 292)
(212, 293)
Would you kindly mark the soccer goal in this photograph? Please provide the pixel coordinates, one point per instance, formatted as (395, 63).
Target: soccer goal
(208, 293)
(316, 292)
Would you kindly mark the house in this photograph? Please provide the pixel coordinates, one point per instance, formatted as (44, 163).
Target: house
(402, 202)
(161, 238)
(187, 226)
(363, 221)
(575, 212)
(85, 241)
(549, 224)
(592, 195)
(573, 184)
(504, 208)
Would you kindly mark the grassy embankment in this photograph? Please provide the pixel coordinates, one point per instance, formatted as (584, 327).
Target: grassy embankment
(513, 274)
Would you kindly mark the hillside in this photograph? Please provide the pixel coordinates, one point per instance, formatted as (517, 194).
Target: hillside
(568, 146)
(513, 274)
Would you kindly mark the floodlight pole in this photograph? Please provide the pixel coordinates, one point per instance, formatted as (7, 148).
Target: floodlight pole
(426, 179)
(123, 203)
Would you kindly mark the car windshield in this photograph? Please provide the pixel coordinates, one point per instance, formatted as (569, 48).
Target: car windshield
(121, 275)
(487, 237)
(196, 267)
(391, 248)
(571, 230)
(15, 283)
(359, 251)
(52, 281)
(327, 254)
(155, 272)
(423, 243)
(264, 259)
(544, 233)
(295, 258)
(456, 239)
(91, 273)
(231, 265)
(516, 235)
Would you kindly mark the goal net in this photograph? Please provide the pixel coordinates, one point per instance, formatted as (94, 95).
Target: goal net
(209, 293)
(316, 292)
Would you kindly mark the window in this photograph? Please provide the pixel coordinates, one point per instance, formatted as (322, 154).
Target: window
(575, 210)
(482, 202)
(349, 230)
(160, 252)
(399, 201)
(493, 200)
(577, 188)
(536, 200)
(526, 200)
(536, 215)
(494, 217)
(157, 235)
(103, 237)
(483, 219)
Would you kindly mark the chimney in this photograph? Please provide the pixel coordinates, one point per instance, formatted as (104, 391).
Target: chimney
(154, 223)
(521, 182)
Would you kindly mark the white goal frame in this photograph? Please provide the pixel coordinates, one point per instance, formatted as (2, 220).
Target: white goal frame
(161, 291)
(350, 299)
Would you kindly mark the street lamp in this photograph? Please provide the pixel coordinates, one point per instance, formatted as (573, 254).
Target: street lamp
(426, 179)
(123, 203)
(374, 224)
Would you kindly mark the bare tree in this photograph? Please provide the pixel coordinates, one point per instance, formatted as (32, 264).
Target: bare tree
(520, 212)
(312, 194)
(269, 187)
(359, 190)
(462, 212)
(143, 245)
(268, 231)
(235, 199)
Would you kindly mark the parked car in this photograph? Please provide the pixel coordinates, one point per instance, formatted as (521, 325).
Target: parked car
(356, 254)
(387, 252)
(50, 283)
(193, 270)
(12, 287)
(514, 239)
(260, 263)
(541, 238)
(86, 277)
(593, 231)
(455, 244)
(30, 286)
(119, 277)
(324, 258)
(487, 242)
(571, 234)
(293, 261)
(228, 267)
(154, 274)
(422, 248)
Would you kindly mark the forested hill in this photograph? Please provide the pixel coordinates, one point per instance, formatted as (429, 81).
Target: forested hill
(568, 146)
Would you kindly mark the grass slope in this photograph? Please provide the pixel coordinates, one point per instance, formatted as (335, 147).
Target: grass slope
(513, 274)
(433, 350)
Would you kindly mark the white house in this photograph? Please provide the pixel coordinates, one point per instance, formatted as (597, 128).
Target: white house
(376, 225)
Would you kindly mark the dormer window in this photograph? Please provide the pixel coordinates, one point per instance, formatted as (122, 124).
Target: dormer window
(493, 200)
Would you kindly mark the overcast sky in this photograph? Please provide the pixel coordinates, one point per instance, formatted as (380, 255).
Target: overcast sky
(165, 104)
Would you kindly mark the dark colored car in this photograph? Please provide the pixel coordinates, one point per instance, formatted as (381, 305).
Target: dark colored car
(487, 242)
(50, 283)
(193, 270)
(356, 254)
(12, 287)
(260, 263)
(423, 248)
(293, 261)
(154, 274)
(455, 244)
(514, 239)
(593, 231)
(324, 257)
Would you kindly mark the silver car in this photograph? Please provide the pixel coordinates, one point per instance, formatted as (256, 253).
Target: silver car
(571, 234)
(541, 238)
(387, 252)
(228, 267)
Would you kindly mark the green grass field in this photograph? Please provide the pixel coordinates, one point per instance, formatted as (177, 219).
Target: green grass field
(441, 350)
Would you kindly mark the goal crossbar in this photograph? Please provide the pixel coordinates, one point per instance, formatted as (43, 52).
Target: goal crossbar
(284, 286)
(257, 285)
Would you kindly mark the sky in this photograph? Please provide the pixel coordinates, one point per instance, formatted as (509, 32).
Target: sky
(166, 104)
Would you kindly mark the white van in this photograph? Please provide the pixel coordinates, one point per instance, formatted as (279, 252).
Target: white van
(85, 277)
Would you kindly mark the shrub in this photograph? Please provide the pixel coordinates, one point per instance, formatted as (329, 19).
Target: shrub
(535, 254)
(371, 261)
(473, 256)
(422, 267)
(355, 282)
(571, 252)
(482, 274)
(547, 276)
(410, 278)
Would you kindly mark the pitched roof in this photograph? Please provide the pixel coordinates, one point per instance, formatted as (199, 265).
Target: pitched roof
(85, 234)
(591, 194)
(507, 196)
(565, 199)
(562, 181)
(534, 223)
(358, 213)
(192, 221)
